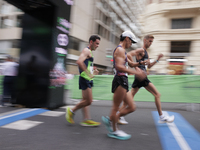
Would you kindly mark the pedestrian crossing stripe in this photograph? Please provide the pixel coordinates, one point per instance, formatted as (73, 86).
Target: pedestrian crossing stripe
(22, 125)
(179, 135)
(20, 115)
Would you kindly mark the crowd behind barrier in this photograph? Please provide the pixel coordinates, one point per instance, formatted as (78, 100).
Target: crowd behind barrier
(173, 88)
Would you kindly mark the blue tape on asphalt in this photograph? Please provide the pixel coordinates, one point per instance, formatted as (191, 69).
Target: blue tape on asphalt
(20, 115)
(188, 132)
(166, 137)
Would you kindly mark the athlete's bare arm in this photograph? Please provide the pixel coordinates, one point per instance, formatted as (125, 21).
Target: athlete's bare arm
(139, 53)
(131, 63)
(80, 62)
(153, 63)
(136, 52)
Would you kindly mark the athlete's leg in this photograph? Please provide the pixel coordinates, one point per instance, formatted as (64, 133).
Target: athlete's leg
(123, 106)
(134, 91)
(128, 103)
(118, 96)
(152, 89)
(86, 100)
(86, 113)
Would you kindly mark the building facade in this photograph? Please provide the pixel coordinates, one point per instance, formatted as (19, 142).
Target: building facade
(10, 29)
(175, 25)
(106, 18)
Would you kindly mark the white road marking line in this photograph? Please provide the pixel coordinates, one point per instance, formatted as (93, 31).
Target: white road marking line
(52, 113)
(17, 113)
(22, 125)
(177, 135)
(14, 111)
(144, 134)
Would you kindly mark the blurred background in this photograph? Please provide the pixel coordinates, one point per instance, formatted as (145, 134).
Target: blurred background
(46, 37)
(175, 25)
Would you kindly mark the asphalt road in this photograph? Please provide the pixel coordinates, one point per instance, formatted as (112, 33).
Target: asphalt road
(52, 132)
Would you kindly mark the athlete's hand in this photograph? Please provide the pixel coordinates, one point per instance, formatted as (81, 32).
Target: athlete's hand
(95, 72)
(144, 62)
(147, 62)
(89, 74)
(160, 56)
(140, 74)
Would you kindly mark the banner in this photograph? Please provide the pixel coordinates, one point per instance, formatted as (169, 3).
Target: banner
(173, 88)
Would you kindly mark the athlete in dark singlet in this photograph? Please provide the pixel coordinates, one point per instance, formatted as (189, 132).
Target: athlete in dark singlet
(120, 76)
(143, 60)
(145, 82)
(85, 62)
(120, 86)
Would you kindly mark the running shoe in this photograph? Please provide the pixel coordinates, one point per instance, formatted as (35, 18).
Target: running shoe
(69, 115)
(119, 134)
(90, 123)
(122, 121)
(107, 123)
(166, 119)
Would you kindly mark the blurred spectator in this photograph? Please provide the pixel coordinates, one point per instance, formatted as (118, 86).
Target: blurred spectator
(191, 69)
(69, 76)
(10, 70)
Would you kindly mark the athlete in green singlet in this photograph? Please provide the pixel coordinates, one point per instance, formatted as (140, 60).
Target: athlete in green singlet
(85, 64)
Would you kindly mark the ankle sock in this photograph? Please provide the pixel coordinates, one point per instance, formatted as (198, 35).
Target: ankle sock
(162, 116)
(71, 111)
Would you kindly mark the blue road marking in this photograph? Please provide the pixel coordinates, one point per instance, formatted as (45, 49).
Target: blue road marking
(168, 140)
(20, 115)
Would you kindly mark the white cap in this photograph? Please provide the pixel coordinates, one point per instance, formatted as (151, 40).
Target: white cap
(130, 35)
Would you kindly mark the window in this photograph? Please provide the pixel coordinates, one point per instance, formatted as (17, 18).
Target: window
(19, 21)
(181, 23)
(117, 40)
(180, 46)
(73, 43)
(100, 30)
(112, 38)
(3, 22)
(107, 34)
(16, 43)
(105, 20)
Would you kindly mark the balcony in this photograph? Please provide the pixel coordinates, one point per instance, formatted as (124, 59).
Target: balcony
(172, 7)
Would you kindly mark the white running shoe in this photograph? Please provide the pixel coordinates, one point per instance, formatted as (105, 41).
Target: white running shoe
(122, 121)
(166, 119)
(119, 134)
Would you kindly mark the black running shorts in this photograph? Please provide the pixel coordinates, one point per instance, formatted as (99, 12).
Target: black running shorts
(140, 84)
(84, 84)
(119, 80)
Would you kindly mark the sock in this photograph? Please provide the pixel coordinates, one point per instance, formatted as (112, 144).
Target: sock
(71, 111)
(162, 116)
